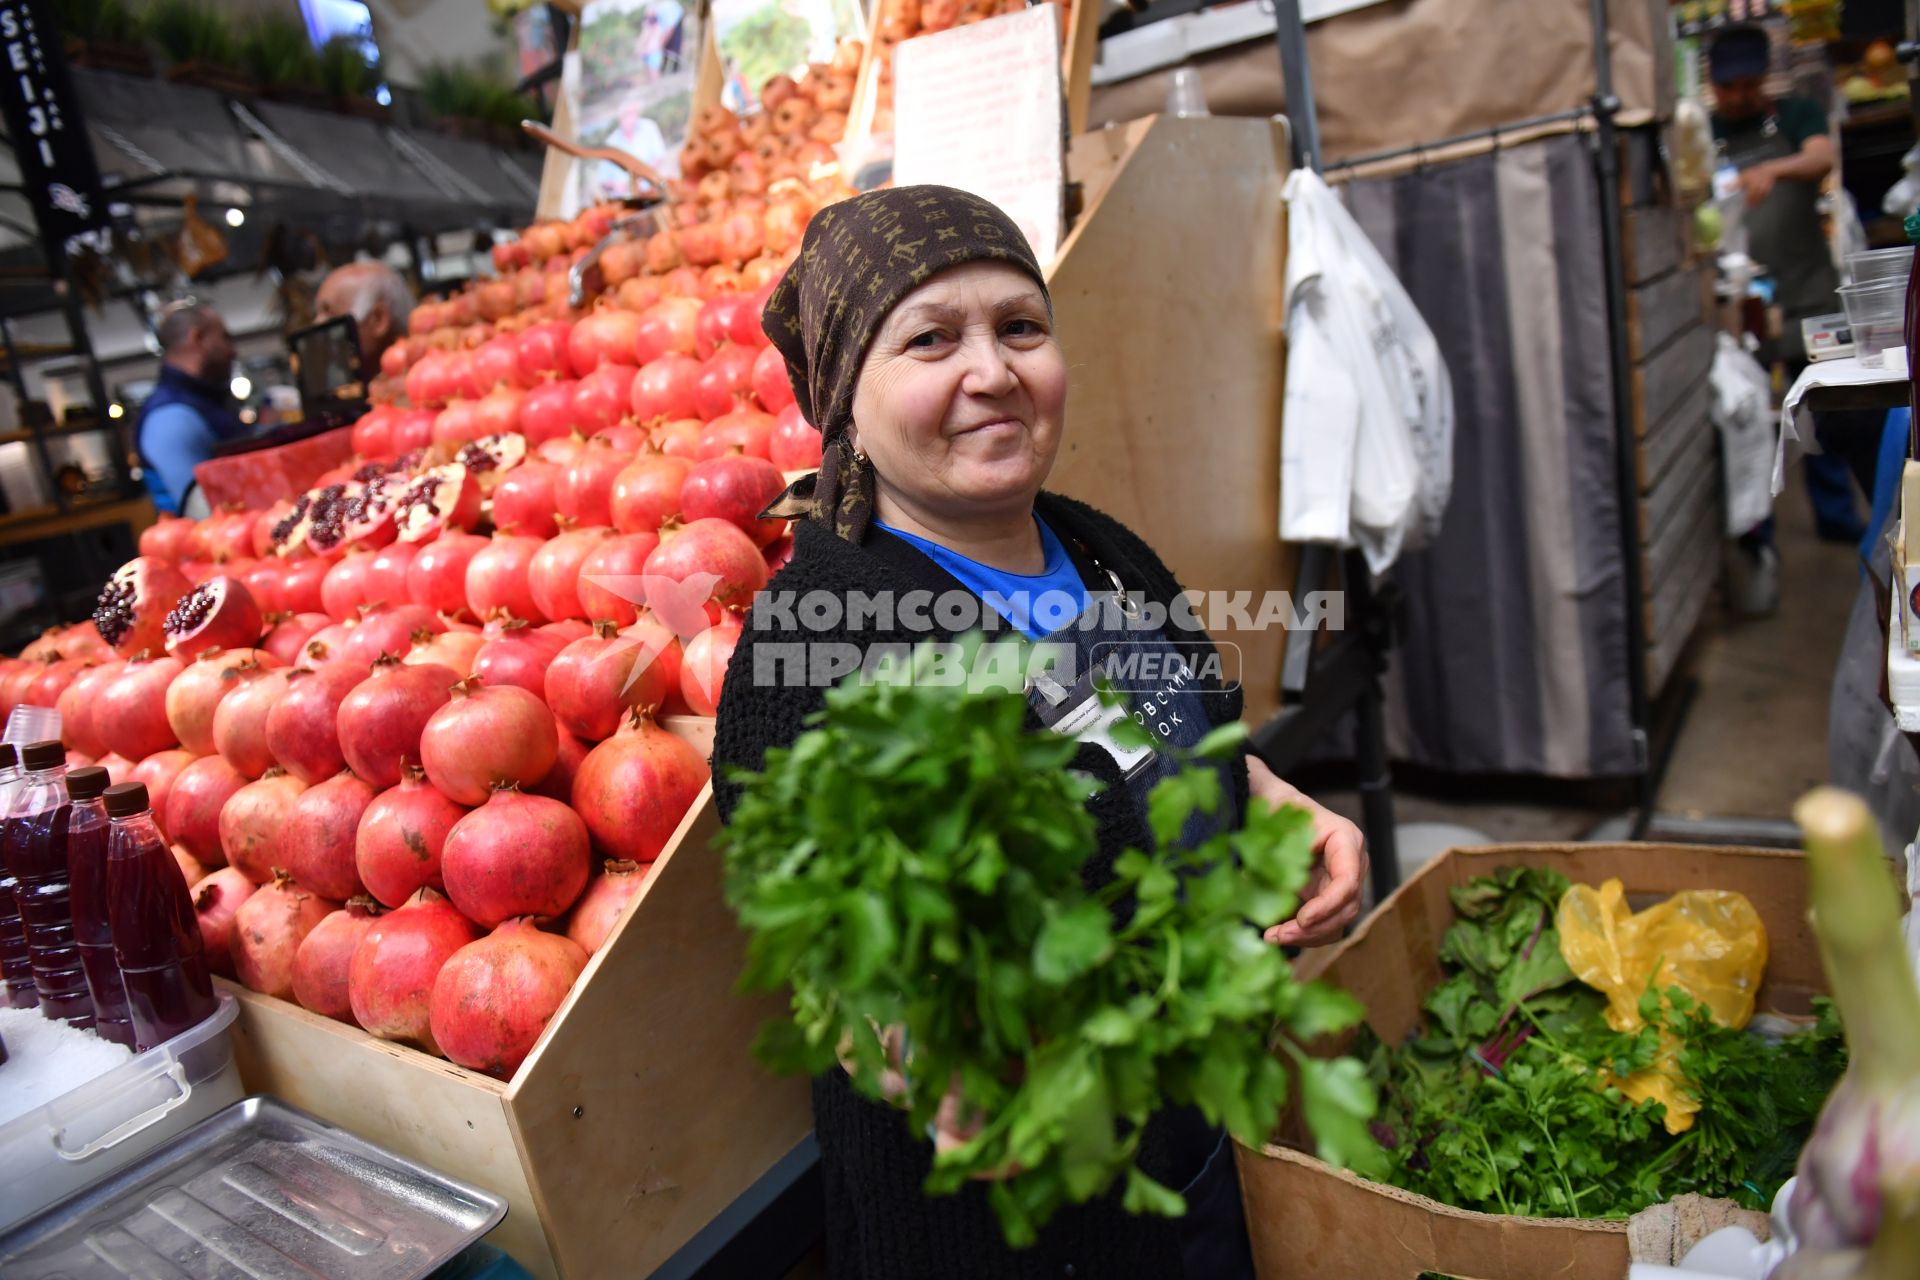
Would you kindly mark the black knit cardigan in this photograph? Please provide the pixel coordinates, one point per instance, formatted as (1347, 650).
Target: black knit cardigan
(879, 1224)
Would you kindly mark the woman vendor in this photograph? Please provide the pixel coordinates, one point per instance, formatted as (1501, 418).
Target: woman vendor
(918, 335)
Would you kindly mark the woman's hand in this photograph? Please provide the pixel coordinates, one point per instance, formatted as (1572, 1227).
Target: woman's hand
(1331, 898)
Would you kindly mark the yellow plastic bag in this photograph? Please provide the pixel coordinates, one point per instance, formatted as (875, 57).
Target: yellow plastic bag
(1709, 943)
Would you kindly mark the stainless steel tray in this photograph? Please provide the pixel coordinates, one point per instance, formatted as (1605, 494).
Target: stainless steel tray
(264, 1191)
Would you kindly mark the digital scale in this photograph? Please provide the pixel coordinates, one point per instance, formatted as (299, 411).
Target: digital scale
(1827, 337)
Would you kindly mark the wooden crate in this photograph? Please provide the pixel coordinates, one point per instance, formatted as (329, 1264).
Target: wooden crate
(640, 1114)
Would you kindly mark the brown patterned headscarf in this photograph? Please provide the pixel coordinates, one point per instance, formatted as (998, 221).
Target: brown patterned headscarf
(859, 259)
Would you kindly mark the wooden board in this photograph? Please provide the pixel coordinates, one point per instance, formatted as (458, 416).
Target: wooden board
(1082, 47)
(1669, 437)
(1654, 242)
(1690, 482)
(1693, 569)
(1660, 380)
(1173, 346)
(642, 1113)
(1664, 654)
(1660, 309)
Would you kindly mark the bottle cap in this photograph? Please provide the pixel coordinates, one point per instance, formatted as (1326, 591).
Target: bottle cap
(124, 799)
(43, 755)
(86, 782)
(8, 756)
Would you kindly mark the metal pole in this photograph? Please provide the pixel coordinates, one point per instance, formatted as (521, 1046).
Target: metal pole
(1627, 483)
(1291, 30)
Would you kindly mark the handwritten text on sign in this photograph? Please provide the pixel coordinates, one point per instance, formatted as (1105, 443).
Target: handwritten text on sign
(978, 108)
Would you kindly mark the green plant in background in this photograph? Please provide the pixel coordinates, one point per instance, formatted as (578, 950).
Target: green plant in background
(109, 20)
(190, 31)
(768, 42)
(276, 50)
(460, 91)
(344, 70)
(915, 860)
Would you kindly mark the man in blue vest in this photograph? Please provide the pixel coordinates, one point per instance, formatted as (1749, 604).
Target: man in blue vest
(190, 410)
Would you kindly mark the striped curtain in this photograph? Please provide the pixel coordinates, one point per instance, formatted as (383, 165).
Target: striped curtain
(1515, 654)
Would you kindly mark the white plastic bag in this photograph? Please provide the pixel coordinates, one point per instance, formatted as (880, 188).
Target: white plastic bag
(1366, 451)
(1743, 414)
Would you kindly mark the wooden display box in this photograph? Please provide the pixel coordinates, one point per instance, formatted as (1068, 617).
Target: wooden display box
(639, 1116)
(1311, 1222)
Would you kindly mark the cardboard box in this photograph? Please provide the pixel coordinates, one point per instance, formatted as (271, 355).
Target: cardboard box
(1310, 1222)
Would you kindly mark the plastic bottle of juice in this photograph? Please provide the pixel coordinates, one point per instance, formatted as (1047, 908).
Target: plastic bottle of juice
(156, 938)
(37, 852)
(16, 963)
(92, 932)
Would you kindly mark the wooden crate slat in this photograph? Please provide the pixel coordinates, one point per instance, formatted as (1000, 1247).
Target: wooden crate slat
(1659, 309)
(1670, 437)
(1700, 547)
(1689, 483)
(1654, 242)
(1663, 378)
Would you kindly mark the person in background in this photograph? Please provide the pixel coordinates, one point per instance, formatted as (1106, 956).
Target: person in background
(378, 299)
(190, 410)
(1783, 152)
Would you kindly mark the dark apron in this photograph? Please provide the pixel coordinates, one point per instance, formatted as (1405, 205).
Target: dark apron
(1784, 235)
(1213, 1233)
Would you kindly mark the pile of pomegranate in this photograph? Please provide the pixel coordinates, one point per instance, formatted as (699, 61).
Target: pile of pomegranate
(904, 19)
(403, 729)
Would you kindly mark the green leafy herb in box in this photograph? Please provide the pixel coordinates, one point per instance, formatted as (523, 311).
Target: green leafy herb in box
(916, 860)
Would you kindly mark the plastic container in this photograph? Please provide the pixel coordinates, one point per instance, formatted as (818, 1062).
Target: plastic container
(31, 724)
(1880, 264)
(156, 937)
(1877, 314)
(115, 1119)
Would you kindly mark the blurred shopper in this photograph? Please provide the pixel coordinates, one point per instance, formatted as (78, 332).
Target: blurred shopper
(191, 409)
(378, 299)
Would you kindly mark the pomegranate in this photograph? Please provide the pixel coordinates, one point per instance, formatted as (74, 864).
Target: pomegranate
(301, 733)
(488, 736)
(437, 578)
(391, 976)
(647, 492)
(561, 451)
(517, 654)
(326, 521)
(704, 667)
(497, 577)
(262, 581)
(240, 722)
(316, 844)
(622, 436)
(725, 382)
(329, 644)
(558, 784)
(609, 584)
(454, 650)
(664, 389)
(633, 789)
(344, 589)
(595, 681)
(604, 337)
(524, 503)
(735, 488)
(602, 397)
(132, 610)
(322, 961)
(546, 412)
(381, 718)
(442, 498)
(584, 492)
(268, 930)
(77, 703)
(493, 997)
(489, 458)
(398, 843)
(497, 362)
(251, 821)
(192, 870)
(668, 327)
(567, 630)
(711, 324)
(373, 433)
(386, 578)
(200, 792)
(389, 629)
(413, 430)
(710, 551)
(157, 772)
(165, 539)
(544, 352)
(369, 513)
(216, 901)
(300, 584)
(771, 386)
(55, 676)
(553, 577)
(131, 718)
(793, 445)
(741, 431)
(220, 613)
(604, 905)
(679, 439)
(516, 855)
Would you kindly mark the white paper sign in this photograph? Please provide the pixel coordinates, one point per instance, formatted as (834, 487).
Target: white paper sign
(978, 108)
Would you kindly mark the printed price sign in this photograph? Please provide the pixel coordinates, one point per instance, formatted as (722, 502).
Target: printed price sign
(57, 170)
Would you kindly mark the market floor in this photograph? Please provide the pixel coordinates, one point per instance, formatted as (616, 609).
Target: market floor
(1753, 739)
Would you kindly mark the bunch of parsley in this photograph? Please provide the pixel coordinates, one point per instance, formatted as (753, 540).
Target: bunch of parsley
(1502, 1101)
(916, 860)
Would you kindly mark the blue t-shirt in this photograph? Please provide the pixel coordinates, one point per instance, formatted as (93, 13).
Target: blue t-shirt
(1039, 604)
(175, 438)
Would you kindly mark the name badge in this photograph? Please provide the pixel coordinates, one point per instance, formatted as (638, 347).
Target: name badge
(1078, 712)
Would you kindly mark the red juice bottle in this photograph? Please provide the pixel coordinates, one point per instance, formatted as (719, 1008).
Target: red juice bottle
(37, 852)
(156, 938)
(92, 931)
(16, 962)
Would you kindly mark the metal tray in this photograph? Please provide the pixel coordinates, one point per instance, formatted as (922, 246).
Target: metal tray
(261, 1190)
